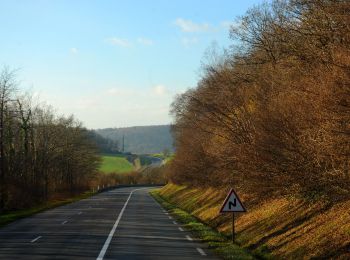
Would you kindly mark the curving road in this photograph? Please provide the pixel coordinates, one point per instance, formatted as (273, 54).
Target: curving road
(124, 223)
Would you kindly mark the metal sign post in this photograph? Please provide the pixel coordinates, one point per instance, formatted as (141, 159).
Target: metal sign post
(233, 227)
(232, 204)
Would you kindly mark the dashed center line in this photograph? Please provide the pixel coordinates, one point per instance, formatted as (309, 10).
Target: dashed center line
(35, 239)
(189, 238)
(201, 251)
(180, 228)
(64, 222)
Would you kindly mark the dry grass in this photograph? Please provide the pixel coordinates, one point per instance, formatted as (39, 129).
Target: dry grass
(289, 228)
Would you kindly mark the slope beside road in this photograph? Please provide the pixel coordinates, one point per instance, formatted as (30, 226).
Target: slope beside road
(124, 223)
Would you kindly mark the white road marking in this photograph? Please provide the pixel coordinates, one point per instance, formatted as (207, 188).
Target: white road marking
(201, 251)
(80, 213)
(166, 213)
(189, 238)
(35, 239)
(110, 236)
(174, 222)
(180, 228)
(64, 222)
(170, 217)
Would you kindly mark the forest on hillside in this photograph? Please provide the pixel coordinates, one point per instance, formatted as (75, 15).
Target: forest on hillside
(141, 139)
(271, 114)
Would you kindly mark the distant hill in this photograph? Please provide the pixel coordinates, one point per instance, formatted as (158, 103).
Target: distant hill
(141, 139)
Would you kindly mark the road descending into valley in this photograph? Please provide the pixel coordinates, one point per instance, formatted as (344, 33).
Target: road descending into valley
(124, 223)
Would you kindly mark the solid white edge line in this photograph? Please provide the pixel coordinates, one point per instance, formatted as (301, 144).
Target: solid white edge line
(110, 236)
(189, 238)
(180, 228)
(35, 239)
(201, 251)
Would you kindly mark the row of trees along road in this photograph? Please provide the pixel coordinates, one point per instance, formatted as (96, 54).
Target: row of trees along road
(41, 154)
(272, 113)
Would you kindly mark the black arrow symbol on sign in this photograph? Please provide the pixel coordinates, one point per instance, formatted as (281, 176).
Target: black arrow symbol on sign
(233, 204)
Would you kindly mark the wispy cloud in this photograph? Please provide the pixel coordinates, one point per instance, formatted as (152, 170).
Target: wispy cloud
(145, 41)
(119, 42)
(229, 24)
(190, 26)
(159, 90)
(73, 50)
(226, 24)
(187, 42)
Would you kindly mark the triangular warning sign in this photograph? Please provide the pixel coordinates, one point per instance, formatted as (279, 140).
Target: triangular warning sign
(232, 203)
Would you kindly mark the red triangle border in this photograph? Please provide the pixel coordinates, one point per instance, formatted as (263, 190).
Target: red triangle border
(226, 199)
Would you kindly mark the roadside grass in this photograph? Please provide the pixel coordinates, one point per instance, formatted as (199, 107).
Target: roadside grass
(115, 164)
(282, 228)
(11, 216)
(221, 244)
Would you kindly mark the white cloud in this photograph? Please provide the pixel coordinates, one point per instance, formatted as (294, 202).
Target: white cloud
(159, 90)
(187, 42)
(73, 50)
(145, 41)
(189, 26)
(119, 42)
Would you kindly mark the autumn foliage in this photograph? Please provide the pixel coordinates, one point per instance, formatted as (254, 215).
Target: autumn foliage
(271, 115)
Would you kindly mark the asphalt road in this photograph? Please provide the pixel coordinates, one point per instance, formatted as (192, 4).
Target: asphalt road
(125, 223)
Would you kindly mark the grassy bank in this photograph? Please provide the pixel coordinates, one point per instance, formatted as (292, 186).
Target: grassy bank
(283, 228)
(115, 163)
(15, 215)
(218, 242)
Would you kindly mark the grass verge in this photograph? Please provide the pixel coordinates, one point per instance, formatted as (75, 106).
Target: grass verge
(115, 163)
(217, 242)
(11, 216)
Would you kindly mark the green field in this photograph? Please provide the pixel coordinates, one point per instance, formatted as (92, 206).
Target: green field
(115, 163)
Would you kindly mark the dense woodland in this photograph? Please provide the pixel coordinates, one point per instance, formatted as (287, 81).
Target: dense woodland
(41, 154)
(271, 115)
(104, 145)
(141, 139)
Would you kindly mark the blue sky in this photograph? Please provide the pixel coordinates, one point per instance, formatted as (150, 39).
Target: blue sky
(112, 63)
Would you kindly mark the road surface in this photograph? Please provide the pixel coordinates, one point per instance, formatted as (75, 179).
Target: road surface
(124, 223)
